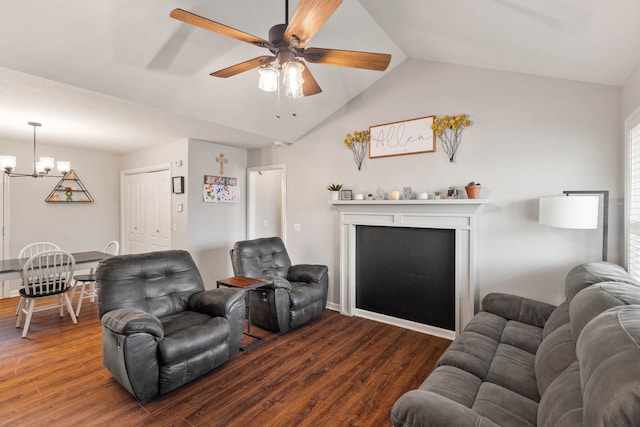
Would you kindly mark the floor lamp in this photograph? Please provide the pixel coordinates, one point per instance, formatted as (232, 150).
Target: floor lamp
(577, 212)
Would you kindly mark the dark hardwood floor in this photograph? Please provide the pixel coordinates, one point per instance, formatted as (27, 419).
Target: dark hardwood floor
(335, 371)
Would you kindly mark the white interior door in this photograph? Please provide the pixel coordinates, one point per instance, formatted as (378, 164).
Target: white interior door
(266, 202)
(147, 211)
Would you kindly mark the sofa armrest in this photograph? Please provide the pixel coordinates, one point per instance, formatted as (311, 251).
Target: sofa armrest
(425, 408)
(307, 273)
(128, 321)
(217, 302)
(513, 307)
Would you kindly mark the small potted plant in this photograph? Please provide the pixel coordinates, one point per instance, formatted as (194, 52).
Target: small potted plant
(473, 189)
(369, 196)
(436, 195)
(335, 191)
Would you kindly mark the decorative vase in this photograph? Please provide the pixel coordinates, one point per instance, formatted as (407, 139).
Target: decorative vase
(335, 195)
(473, 191)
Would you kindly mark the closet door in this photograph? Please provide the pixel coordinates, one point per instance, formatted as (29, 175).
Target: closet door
(147, 211)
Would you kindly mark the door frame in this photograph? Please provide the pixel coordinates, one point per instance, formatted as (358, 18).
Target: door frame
(251, 173)
(123, 200)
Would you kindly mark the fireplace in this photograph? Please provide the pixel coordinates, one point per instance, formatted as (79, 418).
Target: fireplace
(430, 288)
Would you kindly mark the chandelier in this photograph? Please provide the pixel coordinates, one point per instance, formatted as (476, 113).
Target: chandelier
(41, 168)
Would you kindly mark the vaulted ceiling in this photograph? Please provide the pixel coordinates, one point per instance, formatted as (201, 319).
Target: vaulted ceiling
(119, 75)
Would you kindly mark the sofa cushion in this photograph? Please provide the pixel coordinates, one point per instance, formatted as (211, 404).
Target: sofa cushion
(561, 403)
(559, 317)
(598, 298)
(472, 352)
(505, 407)
(556, 352)
(453, 383)
(513, 369)
(189, 333)
(587, 274)
(608, 352)
(522, 336)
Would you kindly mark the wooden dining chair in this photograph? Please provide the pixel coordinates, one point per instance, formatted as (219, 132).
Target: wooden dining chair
(84, 285)
(46, 275)
(30, 250)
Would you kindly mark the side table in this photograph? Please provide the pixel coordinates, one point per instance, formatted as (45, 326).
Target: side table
(248, 284)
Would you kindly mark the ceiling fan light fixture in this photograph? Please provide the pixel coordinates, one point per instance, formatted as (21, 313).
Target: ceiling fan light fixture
(294, 92)
(292, 78)
(268, 78)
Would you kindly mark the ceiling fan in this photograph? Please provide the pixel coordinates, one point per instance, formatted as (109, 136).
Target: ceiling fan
(287, 44)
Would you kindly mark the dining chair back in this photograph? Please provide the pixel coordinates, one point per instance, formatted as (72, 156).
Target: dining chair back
(37, 247)
(46, 274)
(30, 250)
(84, 285)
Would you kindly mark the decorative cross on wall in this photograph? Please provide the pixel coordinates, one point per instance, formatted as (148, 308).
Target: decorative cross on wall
(222, 160)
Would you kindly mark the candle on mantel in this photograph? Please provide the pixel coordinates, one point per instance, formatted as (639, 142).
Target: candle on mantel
(395, 195)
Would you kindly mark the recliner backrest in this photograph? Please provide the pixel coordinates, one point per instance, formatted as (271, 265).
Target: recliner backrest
(260, 257)
(159, 283)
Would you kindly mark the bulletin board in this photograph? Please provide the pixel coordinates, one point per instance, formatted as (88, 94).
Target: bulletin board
(220, 189)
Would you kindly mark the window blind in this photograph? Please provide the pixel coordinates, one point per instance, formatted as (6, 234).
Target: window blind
(633, 210)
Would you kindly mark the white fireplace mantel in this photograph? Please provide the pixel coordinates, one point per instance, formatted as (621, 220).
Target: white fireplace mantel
(456, 214)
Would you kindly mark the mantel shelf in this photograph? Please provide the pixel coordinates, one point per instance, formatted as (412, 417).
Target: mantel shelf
(412, 202)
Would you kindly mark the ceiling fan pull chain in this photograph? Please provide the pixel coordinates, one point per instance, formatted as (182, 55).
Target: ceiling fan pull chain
(278, 106)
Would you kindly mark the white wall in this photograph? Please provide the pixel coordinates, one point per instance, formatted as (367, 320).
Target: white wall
(74, 226)
(215, 227)
(631, 93)
(530, 137)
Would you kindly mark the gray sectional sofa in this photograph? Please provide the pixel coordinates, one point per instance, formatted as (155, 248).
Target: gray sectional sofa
(521, 362)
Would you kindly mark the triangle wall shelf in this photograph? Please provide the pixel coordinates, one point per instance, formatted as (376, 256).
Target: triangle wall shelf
(69, 190)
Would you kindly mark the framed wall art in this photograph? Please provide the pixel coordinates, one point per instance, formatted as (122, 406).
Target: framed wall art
(346, 195)
(399, 138)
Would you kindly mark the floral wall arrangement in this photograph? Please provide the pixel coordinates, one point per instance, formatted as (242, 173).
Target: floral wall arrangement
(358, 142)
(449, 130)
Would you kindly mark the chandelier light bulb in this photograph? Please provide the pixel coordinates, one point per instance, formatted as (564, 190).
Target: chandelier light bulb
(63, 167)
(47, 163)
(8, 163)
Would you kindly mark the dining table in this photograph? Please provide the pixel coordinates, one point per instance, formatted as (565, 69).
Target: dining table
(12, 268)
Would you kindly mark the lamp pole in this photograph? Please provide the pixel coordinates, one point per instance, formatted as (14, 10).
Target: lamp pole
(605, 216)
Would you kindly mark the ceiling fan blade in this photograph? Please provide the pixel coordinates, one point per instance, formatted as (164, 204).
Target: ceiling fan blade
(207, 24)
(308, 18)
(310, 86)
(243, 66)
(348, 58)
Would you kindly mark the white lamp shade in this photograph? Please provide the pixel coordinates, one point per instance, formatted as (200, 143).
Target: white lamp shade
(569, 211)
(7, 163)
(46, 163)
(63, 166)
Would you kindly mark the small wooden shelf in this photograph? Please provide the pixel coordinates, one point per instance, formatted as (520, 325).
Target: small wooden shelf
(70, 183)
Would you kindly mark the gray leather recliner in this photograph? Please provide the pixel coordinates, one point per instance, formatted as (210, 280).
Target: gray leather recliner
(160, 328)
(294, 294)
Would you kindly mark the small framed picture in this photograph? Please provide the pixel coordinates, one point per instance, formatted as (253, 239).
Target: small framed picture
(178, 184)
(346, 195)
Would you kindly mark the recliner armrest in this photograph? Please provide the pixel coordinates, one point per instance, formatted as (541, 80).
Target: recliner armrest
(127, 321)
(217, 302)
(308, 273)
(275, 282)
(514, 307)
